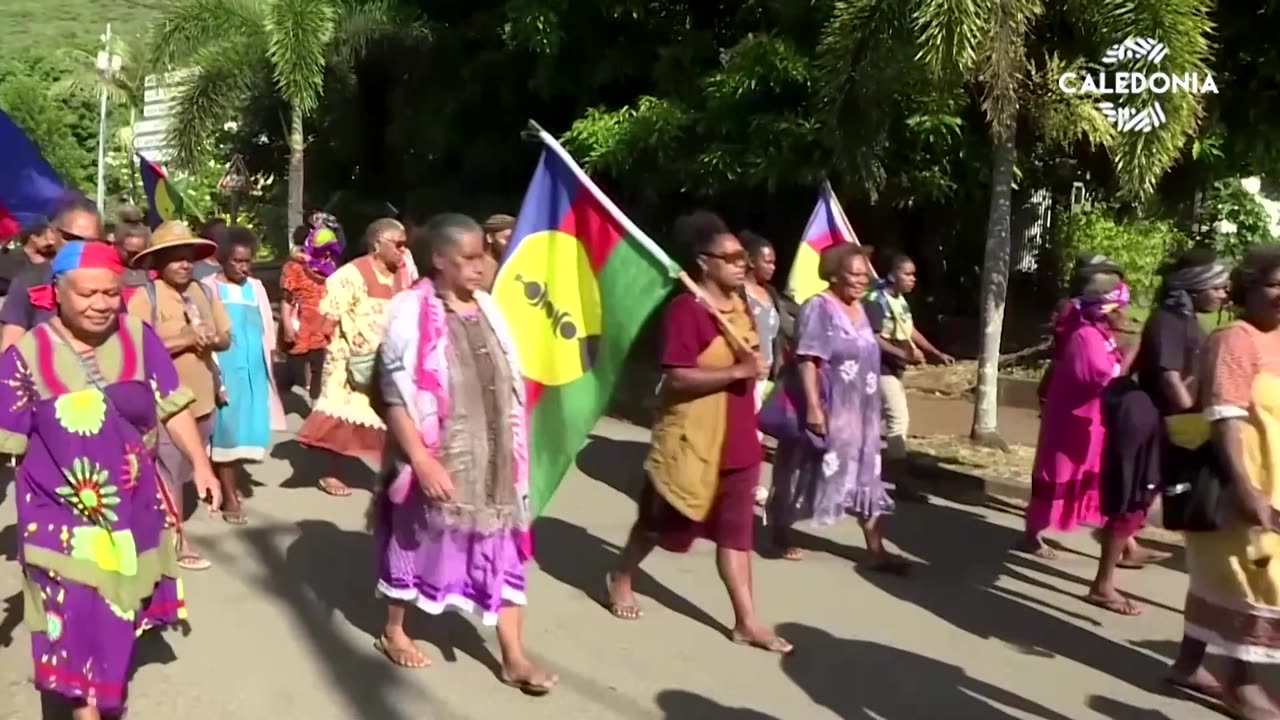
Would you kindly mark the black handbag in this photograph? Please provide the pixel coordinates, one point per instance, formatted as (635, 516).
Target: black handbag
(1196, 496)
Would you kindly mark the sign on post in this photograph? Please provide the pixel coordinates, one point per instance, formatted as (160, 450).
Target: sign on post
(236, 178)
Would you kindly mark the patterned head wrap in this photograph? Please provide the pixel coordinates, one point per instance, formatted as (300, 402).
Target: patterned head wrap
(78, 255)
(1096, 302)
(323, 249)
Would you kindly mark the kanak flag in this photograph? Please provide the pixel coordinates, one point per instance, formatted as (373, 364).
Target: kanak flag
(30, 191)
(577, 282)
(827, 226)
(164, 201)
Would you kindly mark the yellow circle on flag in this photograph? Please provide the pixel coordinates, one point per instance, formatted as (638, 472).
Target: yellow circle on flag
(548, 293)
(164, 203)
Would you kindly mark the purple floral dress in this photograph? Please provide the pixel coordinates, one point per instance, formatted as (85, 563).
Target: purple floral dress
(98, 560)
(824, 484)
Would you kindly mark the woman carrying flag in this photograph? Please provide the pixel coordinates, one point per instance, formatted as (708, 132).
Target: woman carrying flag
(705, 460)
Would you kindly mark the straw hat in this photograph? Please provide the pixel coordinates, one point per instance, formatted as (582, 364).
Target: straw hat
(171, 234)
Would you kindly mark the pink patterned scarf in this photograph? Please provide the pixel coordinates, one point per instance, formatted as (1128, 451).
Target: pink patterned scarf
(431, 376)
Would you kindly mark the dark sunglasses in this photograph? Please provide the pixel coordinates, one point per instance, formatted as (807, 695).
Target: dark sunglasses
(737, 257)
(70, 236)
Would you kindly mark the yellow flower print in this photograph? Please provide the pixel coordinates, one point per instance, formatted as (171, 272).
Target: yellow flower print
(111, 551)
(81, 412)
(89, 493)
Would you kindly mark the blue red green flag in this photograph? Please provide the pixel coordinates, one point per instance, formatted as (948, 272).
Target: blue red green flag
(164, 201)
(30, 190)
(577, 282)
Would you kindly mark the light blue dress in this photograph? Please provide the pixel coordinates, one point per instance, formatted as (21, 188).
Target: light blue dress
(242, 427)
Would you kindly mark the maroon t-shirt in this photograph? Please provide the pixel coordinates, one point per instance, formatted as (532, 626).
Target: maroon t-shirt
(688, 329)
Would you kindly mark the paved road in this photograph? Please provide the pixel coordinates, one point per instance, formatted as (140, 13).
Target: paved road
(283, 626)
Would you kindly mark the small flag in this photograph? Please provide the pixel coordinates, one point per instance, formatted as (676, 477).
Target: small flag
(30, 190)
(164, 202)
(578, 281)
(827, 226)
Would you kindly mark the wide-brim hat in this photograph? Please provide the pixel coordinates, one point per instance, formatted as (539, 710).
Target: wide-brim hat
(173, 234)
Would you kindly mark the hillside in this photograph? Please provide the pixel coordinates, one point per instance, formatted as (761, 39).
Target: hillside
(56, 24)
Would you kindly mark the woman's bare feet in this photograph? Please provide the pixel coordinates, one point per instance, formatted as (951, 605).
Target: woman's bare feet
(524, 676)
(333, 486)
(620, 599)
(1112, 600)
(1033, 545)
(1200, 681)
(762, 638)
(401, 650)
(1250, 702)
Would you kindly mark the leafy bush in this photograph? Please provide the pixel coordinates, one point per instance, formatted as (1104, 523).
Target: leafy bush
(1139, 246)
(1232, 219)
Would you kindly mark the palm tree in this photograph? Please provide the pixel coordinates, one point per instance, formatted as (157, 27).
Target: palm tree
(234, 48)
(981, 46)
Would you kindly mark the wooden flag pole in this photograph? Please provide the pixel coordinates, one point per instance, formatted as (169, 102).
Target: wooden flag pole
(534, 133)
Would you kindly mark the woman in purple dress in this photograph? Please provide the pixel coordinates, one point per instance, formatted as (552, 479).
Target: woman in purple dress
(835, 377)
(452, 520)
(84, 394)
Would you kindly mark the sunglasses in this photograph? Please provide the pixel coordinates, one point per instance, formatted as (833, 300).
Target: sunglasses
(70, 236)
(737, 257)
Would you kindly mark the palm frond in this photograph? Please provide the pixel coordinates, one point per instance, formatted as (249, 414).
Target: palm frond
(950, 33)
(227, 76)
(298, 37)
(191, 26)
(361, 24)
(864, 51)
(1003, 62)
(1064, 119)
(1185, 28)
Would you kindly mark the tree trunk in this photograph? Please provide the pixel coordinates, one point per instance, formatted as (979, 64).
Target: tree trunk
(297, 148)
(995, 286)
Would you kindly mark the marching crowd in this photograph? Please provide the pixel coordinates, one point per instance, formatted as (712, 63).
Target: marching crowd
(137, 371)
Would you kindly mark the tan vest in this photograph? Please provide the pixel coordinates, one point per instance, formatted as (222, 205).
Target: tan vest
(688, 437)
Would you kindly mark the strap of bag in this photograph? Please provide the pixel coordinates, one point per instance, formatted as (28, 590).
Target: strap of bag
(170, 506)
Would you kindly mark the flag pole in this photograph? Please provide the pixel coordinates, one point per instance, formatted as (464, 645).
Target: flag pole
(535, 133)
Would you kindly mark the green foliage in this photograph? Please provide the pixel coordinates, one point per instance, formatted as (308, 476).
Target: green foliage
(1139, 246)
(64, 128)
(37, 26)
(1233, 220)
(745, 124)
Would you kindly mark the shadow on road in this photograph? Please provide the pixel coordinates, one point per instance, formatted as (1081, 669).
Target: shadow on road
(308, 465)
(967, 555)
(9, 542)
(616, 463)
(1117, 710)
(362, 677)
(685, 705)
(579, 559)
(855, 678)
(350, 590)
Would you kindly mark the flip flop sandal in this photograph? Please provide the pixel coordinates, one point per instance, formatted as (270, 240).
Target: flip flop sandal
(774, 644)
(1120, 606)
(793, 554)
(193, 562)
(400, 658)
(234, 518)
(530, 687)
(621, 611)
(334, 491)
